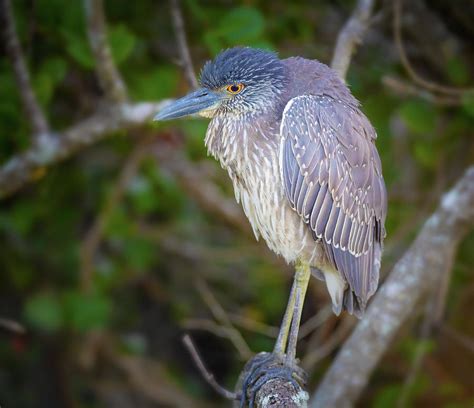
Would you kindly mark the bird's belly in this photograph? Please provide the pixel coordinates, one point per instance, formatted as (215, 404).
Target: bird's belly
(265, 204)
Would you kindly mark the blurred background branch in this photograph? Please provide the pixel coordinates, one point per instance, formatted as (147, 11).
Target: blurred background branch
(109, 77)
(33, 111)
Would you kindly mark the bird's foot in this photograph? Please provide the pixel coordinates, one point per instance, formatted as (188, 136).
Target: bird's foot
(265, 367)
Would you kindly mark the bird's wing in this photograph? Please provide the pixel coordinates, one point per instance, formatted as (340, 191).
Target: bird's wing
(333, 179)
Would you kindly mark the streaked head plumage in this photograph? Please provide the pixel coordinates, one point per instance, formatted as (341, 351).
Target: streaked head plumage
(259, 75)
(239, 81)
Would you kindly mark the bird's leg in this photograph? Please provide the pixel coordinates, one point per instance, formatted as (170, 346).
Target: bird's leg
(302, 275)
(281, 363)
(280, 344)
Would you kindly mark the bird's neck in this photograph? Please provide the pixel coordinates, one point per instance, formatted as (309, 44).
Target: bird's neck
(238, 142)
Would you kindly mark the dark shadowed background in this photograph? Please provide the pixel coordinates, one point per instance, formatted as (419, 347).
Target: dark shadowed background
(119, 235)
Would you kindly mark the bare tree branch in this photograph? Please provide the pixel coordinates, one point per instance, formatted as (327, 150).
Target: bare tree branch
(412, 277)
(351, 36)
(15, 53)
(11, 326)
(31, 164)
(208, 376)
(185, 55)
(424, 83)
(406, 89)
(109, 77)
(93, 237)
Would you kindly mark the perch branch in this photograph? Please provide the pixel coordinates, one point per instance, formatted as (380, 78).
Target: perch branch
(351, 36)
(14, 51)
(185, 55)
(413, 276)
(109, 77)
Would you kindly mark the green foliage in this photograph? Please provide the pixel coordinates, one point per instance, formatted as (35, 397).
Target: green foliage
(468, 103)
(84, 312)
(158, 83)
(72, 309)
(419, 116)
(43, 310)
(120, 39)
(241, 25)
(49, 76)
(458, 71)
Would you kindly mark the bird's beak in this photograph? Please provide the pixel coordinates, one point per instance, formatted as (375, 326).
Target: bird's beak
(195, 102)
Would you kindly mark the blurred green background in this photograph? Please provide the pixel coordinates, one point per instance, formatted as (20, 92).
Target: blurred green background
(112, 255)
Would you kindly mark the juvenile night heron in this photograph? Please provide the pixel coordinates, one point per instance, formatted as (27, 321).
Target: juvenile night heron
(302, 159)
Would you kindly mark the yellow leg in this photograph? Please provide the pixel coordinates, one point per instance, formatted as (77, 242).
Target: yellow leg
(280, 345)
(302, 275)
(291, 320)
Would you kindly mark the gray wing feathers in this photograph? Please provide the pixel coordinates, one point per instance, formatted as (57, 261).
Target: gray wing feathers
(333, 179)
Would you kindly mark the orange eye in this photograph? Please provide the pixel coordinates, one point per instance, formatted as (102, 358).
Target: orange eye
(235, 88)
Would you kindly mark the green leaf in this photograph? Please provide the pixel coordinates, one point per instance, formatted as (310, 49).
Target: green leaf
(122, 42)
(458, 72)
(241, 25)
(425, 153)
(468, 103)
(419, 116)
(50, 74)
(44, 311)
(139, 253)
(156, 84)
(387, 397)
(86, 311)
(78, 48)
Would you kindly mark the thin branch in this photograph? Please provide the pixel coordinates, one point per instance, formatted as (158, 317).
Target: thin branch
(314, 322)
(208, 376)
(430, 85)
(254, 326)
(185, 55)
(403, 88)
(351, 36)
(94, 235)
(221, 316)
(413, 276)
(339, 335)
(15, 53)
(32, 164)
(461, 339)
(11, 326)
(109, 77)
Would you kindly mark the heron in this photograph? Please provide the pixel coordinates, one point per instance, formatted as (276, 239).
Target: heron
(302, 159)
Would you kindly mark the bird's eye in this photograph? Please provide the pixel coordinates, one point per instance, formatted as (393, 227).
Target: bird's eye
(235, 88)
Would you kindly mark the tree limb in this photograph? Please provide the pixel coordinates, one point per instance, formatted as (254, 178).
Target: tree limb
(185, 55)
(33, 110)
(109, 77)
(351, 36)
(31, 164)
(415, 275)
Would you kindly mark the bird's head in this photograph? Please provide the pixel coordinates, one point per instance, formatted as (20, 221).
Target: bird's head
(238, 81)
